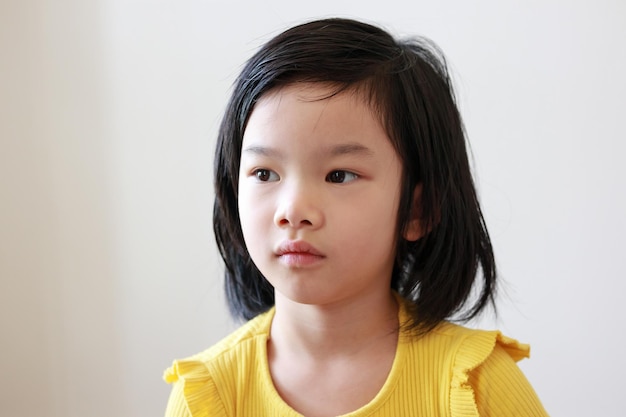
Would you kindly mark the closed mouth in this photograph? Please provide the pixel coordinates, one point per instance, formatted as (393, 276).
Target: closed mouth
(297, 248)
(298, 254)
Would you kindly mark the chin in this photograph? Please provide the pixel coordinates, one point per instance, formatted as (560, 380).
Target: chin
(309, 297)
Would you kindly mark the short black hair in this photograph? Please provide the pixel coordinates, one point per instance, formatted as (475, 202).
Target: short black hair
(407, 83)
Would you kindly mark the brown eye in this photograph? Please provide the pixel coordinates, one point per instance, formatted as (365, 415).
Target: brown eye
(339, 177)
(265, 175)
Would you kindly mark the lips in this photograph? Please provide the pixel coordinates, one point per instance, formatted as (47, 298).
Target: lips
(298, 254)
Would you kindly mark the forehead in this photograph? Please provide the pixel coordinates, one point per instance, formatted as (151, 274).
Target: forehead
(315, 92)
(319, 110)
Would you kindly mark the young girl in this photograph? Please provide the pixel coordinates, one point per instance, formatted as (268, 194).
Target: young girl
(349, 225)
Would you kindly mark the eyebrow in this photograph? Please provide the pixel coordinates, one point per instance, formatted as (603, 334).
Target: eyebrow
(336, 150)
(350, 148)
(263, 151)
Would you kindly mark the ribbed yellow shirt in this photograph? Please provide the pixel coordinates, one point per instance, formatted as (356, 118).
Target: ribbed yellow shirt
(451, 371)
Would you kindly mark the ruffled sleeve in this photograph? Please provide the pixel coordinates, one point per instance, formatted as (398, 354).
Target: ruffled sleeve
(194, 393)
(487, 381)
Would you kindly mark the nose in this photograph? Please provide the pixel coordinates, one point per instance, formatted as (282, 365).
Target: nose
(299, 207)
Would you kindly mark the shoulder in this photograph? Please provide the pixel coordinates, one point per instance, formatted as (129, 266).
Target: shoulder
(201, 380)
(239, 343)
(476, 370)
(472, 346)
(245, 336)
(500, 387)
(462, 347)
(484, 376)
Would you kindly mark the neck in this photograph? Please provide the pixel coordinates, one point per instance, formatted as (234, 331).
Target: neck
(326, 331)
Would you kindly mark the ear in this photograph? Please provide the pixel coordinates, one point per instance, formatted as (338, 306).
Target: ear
(414, 229)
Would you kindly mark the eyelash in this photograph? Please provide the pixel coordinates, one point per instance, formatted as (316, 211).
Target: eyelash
(343, 176)
(265, 175)
(258, 173)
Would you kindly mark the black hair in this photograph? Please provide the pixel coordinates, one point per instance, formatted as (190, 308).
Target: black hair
(408, 85)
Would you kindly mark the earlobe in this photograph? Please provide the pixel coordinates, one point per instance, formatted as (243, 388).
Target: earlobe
(414, 229)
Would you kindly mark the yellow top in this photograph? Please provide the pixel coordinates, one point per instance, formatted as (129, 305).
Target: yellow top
(451, 371)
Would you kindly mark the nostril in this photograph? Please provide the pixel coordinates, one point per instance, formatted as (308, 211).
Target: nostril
(297, 214)
(287, 222)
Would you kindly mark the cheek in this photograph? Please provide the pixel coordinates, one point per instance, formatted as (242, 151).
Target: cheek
(255, 216)
(246, 212)
(243, 204)
(372, 225)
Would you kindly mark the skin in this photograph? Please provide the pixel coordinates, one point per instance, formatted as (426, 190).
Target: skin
(319, 190)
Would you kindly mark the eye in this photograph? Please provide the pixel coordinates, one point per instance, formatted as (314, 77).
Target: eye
(340, 177)
(265, 175)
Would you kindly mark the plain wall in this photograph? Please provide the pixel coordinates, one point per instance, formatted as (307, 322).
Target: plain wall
(108, 115)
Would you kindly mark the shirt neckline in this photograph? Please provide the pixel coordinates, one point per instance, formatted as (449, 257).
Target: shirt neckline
(379, 399)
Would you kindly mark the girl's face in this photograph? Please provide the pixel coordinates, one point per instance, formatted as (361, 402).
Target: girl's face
(319, 188)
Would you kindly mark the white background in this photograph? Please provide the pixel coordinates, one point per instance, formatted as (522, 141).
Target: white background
(108, 116)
